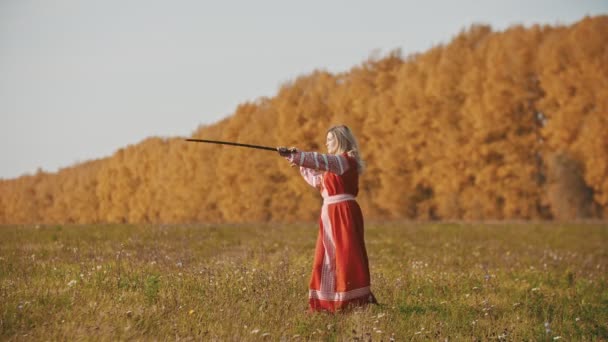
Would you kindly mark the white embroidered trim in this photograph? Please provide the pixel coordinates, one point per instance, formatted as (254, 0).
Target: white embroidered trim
(337, 199)
(328, 270)
(339, 296)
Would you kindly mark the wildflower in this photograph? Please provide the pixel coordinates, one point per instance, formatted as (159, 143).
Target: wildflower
(72, 283)
(190, 312)
(536, 289)
(547, 328)
(255, 331)
(557, 338)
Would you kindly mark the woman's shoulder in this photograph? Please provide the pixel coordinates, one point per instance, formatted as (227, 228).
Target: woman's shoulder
(350, 159)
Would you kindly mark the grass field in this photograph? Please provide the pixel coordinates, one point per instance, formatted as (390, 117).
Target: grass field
(513, 282)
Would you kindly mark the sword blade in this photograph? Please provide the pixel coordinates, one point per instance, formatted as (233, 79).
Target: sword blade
(259, 147)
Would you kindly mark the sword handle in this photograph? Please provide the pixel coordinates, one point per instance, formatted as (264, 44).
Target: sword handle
(285, 151)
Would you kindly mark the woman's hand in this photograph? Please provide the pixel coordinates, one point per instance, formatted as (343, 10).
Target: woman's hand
(286, 152)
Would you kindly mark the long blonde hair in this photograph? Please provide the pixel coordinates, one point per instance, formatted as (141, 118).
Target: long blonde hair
(347, 143)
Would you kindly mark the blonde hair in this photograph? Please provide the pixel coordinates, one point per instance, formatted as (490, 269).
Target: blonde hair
(347, 143)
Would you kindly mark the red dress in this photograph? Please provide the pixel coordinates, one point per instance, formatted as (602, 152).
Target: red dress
(340, 273)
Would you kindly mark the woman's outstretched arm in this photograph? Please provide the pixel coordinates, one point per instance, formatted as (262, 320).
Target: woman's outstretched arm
(337, 164)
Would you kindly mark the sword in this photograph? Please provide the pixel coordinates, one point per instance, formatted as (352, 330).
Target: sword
(259, 147)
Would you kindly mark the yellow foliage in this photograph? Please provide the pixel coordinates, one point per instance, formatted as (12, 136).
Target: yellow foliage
(494, 125)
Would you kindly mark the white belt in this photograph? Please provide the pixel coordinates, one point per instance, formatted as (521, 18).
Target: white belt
(337, 199)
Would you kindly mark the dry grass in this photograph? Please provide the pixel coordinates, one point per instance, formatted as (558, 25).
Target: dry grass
(249, 282)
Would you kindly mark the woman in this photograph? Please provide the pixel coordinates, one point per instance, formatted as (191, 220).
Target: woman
(340, 274)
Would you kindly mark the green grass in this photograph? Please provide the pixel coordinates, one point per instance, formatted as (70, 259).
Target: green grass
(249, 282)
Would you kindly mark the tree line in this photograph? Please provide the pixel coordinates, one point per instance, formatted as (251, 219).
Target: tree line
(492, 125)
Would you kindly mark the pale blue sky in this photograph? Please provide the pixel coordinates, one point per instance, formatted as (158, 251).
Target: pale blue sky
(80, 79)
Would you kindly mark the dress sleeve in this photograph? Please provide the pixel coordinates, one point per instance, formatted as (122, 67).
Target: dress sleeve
(312, 177)
(337, 164)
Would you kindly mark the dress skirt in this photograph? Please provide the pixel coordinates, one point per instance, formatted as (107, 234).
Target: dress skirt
(340, 275)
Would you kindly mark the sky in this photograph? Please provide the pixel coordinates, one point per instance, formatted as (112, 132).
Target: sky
(80, 79)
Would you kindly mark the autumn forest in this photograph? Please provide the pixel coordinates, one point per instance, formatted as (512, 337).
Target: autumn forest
(508, 125)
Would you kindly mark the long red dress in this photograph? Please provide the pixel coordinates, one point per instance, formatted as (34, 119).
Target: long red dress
(340, 273)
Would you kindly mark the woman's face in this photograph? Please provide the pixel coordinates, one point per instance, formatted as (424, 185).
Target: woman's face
(331, 143)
